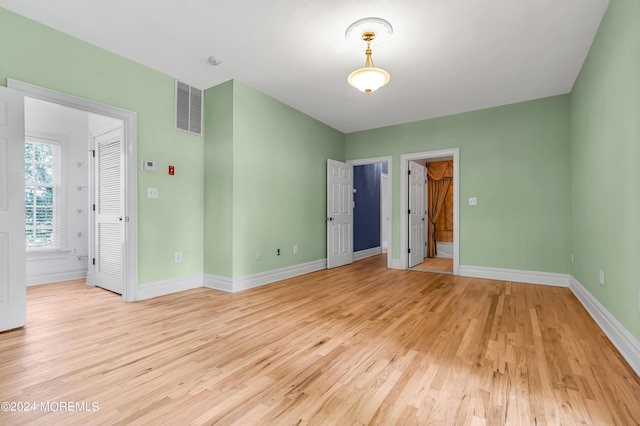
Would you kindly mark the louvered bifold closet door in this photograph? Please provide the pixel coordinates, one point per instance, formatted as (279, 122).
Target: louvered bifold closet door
(109, 210)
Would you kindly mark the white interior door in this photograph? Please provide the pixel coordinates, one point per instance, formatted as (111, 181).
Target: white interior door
(13, 288)
(108, 234)
(339, 213)
(417, 212)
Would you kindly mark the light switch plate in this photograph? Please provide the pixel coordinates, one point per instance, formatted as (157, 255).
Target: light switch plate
(473, 201)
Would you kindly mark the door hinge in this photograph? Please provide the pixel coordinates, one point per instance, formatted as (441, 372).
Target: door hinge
(94, 261)
(93, 153)
(409, 211)
(408, 172)
(409, 251)
(94, 207)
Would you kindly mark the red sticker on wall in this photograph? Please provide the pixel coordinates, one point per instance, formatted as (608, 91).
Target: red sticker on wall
(171, 170)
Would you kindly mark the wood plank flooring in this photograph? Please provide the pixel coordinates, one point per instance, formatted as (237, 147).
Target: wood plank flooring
(433, 264)
(355, 345)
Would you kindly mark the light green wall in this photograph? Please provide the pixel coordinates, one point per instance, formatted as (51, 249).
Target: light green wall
(515, 160)
(605, 148)
(279, 182)
(218, 180)
(552, 176)
(37, 54)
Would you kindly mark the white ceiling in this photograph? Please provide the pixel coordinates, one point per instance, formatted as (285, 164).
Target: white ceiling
(445, 56)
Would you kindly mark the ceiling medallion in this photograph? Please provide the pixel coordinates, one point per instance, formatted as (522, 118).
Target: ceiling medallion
(370, 30)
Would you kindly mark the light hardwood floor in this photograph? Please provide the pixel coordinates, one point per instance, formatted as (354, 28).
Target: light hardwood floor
(355, 345)
(432, 264)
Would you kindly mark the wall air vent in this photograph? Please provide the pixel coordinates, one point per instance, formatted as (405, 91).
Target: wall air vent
(188, 108)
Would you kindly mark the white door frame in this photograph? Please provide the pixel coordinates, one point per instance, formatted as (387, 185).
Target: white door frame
(129, 119)
(388, 160)
(385, 194)
(404, 167)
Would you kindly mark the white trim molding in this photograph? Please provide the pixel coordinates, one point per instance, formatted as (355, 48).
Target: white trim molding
(361, 254)
(175, 285)
(55, 277)
(396, 264)
(516, 275)
(268, 277)
(234, 285)
(627, 344)
(217, 282)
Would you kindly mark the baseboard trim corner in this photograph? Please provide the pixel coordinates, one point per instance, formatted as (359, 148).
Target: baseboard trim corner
(396, 264)
(217, 282)
(164, 287)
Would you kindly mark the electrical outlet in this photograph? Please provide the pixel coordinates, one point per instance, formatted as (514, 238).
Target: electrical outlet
(601, 277)
(152, 192)
(295, 249)
(571, 257)
(258, 254)
(178, 257)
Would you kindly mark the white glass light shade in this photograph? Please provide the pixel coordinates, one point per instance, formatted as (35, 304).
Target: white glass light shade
(368, 79)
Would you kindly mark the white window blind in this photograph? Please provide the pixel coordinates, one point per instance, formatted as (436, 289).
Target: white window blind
(42, 170)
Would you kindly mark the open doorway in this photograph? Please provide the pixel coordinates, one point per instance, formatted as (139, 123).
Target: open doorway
(429, 240)
(61, 185)
(372, 233)
(78, 241)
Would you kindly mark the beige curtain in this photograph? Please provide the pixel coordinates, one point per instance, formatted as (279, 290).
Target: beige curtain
(440, 177)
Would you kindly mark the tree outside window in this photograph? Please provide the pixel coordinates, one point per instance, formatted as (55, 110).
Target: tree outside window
(42, 182)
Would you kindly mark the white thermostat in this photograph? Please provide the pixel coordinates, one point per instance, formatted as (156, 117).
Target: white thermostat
(149, 166)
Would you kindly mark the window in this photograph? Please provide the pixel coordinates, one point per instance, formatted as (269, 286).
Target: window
(41, 193)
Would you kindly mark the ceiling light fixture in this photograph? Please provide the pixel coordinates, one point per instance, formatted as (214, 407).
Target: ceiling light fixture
(369, 79)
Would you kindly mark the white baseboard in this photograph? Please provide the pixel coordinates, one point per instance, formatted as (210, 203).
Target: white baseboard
(516, 275)
(162, 288)
(268, 277)
(233, 285)
(627, 345)
(444, 250)
(396, 264)
(217, 282)
(366, 253)
(54, 277)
